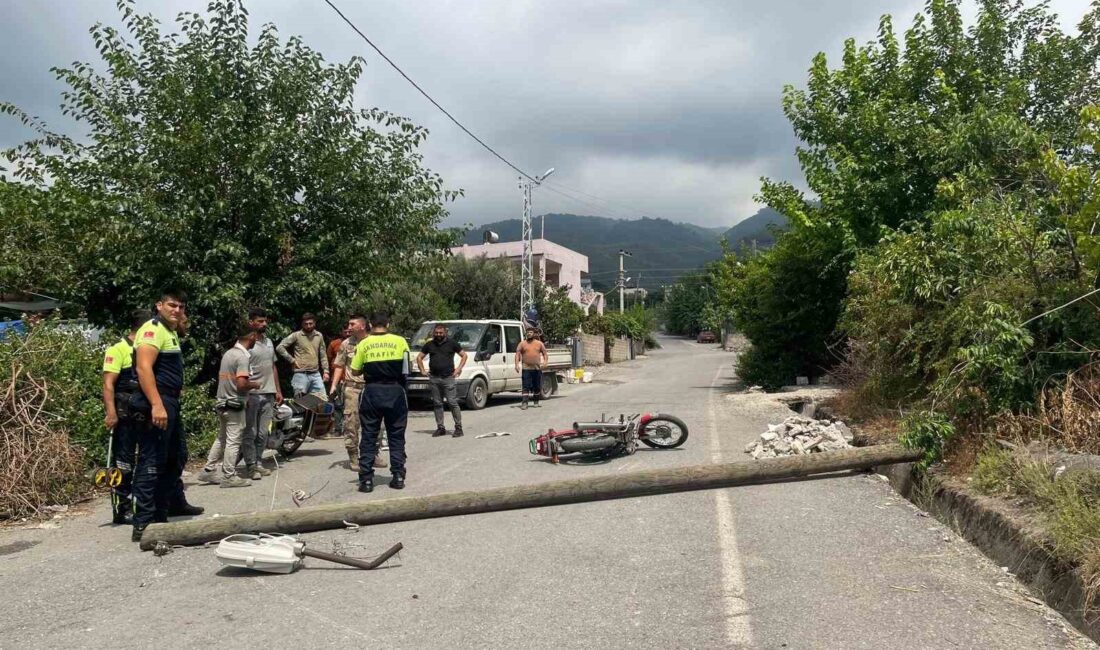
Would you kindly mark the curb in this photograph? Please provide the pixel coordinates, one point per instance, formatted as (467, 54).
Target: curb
(990, 526)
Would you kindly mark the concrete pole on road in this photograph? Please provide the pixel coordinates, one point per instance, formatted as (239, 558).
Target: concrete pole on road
(577, 490)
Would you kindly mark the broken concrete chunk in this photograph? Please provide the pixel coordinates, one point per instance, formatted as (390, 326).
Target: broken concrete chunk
(800, 435)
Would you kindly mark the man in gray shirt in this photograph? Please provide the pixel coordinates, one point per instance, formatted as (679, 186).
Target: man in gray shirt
(262, 399)
(233, 387)
(304, 350)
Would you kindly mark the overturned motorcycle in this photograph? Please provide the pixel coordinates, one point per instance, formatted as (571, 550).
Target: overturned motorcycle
(294, 420)
(608, 438)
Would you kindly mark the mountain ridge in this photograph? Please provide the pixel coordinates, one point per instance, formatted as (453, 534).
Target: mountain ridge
(661, 250)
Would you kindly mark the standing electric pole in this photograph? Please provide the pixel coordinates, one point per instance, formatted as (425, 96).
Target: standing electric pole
(622, 277)
(527, 264)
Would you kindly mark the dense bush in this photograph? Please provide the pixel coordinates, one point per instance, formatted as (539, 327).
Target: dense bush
(636, 323)
(48, 394)
(786, 302)
(946, 309)
(51, 419)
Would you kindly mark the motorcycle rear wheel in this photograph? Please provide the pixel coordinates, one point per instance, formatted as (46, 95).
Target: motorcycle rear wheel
(664, 432)
(596, 442)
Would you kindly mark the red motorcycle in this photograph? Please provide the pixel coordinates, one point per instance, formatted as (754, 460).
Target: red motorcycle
(610, 438)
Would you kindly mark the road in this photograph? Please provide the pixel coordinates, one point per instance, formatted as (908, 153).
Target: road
(839, 562)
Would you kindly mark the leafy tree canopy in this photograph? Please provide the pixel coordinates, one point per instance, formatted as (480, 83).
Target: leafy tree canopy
(241, 172)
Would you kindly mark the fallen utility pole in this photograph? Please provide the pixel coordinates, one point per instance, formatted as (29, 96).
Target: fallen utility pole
(595, 488)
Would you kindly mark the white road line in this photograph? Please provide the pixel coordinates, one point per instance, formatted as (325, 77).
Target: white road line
(738, 628)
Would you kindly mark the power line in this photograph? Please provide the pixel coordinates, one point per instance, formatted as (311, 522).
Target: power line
(663, 270)
(613, 204)
(601, 208)
(1051, 311)
(426, 95)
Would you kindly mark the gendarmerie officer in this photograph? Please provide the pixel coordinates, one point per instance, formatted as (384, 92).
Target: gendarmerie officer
(383, 361)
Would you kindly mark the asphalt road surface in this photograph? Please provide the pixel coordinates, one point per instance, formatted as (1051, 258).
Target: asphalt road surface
(838, 562)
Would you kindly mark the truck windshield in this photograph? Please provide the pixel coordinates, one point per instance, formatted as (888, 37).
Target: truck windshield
(465, 334)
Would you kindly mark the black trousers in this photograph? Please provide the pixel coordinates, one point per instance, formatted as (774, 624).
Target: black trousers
(162, 454)
(380, 403)
(123, 448)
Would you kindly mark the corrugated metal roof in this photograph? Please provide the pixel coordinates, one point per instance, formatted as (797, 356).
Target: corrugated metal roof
(38, 305)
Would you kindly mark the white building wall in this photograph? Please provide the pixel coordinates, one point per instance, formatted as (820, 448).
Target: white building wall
(573, 264)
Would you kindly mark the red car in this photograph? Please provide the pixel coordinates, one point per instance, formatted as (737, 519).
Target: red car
(706, 336)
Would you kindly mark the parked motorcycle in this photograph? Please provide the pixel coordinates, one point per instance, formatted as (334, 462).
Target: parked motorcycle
(609, 438)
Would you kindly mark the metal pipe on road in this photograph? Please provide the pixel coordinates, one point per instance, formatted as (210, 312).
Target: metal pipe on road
(594, 488)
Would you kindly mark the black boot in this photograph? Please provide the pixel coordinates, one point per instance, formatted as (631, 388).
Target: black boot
(439, 431)
(186, 510)
(458, 431)
(398, 481)
(366, 485)
(122, 511)
(139, 529)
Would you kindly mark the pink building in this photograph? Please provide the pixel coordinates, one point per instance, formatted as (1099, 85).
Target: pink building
(557, 265)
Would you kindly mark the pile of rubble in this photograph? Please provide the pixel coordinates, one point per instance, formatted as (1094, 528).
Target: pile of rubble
(800, 435)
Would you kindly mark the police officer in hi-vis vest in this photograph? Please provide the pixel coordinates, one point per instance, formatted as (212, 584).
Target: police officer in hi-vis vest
(162, 448)
(119, 386)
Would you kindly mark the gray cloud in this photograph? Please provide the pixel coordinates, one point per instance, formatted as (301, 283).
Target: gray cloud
(663, 109)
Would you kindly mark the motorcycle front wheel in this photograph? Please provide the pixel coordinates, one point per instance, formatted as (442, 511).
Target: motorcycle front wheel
(664, 432)
(290, 445)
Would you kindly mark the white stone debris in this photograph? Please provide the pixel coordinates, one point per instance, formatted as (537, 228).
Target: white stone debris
(800, 435)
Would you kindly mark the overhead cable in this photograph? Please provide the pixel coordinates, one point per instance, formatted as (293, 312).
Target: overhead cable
(425, 93)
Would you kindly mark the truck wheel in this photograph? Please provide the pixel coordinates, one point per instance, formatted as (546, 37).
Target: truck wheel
(478, 395)
(549, 386)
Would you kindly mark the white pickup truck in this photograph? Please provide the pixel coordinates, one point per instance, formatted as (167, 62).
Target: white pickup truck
(490, 368)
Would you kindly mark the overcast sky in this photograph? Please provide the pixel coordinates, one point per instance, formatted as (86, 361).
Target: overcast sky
(659, 109)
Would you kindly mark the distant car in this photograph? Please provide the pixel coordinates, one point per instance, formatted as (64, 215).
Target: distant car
(706, 336)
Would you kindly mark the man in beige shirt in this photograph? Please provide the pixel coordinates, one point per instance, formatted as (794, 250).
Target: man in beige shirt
(305, 351)
(531, 353)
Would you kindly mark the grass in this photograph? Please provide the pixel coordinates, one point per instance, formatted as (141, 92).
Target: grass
(1067, 506)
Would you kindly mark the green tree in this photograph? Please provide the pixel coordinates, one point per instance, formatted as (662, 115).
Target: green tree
(559, 316)
(954, 308)
(481, 287)
(685, 303)
(241, 171)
